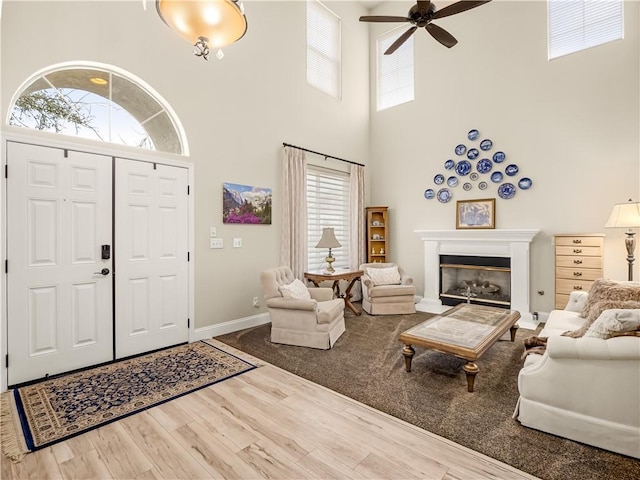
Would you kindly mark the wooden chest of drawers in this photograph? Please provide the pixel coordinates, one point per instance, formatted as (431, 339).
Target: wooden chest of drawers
(578, 263)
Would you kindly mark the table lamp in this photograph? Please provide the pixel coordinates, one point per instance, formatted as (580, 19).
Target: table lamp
(626, 215)
(328, 240)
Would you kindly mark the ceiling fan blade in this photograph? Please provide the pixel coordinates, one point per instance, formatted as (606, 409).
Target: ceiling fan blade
(401, 39)
(458, 7)
(383, 18)
(441, 35)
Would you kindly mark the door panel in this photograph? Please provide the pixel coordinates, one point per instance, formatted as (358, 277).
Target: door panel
(151, 258)
(58, 215)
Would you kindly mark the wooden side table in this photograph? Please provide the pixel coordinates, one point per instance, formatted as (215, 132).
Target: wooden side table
(351, 277)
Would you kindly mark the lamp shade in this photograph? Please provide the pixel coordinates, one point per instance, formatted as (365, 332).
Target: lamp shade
(328, 239)
(217, 22)
(624, 215)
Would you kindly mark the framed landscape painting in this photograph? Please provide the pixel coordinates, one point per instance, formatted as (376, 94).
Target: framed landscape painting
(246, 204)
(476, 213)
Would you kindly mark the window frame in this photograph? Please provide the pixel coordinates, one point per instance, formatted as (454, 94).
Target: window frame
(317, 7)
(319, 217)
(409, 44)
(567, 33)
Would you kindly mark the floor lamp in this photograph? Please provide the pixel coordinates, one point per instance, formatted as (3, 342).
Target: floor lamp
(626, 215)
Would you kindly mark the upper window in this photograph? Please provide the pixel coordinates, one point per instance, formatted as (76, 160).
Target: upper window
(576, 25)
(323, 49)
(97, 104)
(328, 205)
(395, 71)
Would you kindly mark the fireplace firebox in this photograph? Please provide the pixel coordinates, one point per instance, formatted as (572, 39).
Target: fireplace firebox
(475, 279)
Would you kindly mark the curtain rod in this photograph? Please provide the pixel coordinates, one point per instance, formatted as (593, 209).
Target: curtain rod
(321, 154)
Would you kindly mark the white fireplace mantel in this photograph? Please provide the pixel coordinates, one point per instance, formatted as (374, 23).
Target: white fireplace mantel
(513, 244)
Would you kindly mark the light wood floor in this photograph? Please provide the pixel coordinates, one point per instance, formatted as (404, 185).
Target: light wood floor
(266, 423)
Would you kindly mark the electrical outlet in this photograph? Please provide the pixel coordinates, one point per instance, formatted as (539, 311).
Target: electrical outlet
(256, 302)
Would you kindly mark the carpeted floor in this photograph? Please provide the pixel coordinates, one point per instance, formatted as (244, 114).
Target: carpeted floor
(367, 365)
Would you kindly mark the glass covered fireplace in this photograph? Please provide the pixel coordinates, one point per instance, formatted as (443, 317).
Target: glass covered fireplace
(475, 279)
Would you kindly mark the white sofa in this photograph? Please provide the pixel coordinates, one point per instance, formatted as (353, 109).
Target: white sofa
(585, 389)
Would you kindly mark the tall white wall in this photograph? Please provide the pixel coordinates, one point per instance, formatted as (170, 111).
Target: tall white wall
(236, 112)
(571, 124)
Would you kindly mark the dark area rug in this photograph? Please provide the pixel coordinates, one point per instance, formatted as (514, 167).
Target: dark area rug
(36, 416)
(366, 364)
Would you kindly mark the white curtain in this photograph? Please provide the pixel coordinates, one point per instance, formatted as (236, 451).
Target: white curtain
(357, 222)
(293, 246)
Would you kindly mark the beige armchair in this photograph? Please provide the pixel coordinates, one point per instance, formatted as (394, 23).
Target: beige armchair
(316, 321)
(388, 290)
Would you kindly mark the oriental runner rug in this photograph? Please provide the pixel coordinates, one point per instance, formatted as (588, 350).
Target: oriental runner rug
(44, 413)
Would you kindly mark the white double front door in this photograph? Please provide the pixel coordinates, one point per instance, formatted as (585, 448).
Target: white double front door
(79, 227)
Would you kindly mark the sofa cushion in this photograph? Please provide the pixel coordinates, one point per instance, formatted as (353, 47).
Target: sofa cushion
(603, 289)
(384, 275)
(614, 321)
(295, 289)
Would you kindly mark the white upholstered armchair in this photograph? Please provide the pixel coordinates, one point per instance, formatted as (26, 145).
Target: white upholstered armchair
(307, 317)
(386, 290)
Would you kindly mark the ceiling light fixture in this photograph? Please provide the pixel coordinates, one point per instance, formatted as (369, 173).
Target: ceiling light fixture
(206, 23)
(98, 80)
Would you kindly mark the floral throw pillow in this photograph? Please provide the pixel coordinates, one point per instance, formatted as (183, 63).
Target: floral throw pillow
(295, 289)
(614, 321)
(595, 312)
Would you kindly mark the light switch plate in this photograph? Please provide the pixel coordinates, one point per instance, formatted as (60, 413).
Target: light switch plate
(213, 231)
(237, 242)
(216, 243)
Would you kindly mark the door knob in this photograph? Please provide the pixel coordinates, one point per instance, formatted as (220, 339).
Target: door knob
(104, 271)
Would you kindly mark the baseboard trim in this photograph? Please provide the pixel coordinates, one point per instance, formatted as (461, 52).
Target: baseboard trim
(231, 326)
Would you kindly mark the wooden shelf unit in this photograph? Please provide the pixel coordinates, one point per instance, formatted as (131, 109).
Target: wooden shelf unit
(578, 263)
(377, 234)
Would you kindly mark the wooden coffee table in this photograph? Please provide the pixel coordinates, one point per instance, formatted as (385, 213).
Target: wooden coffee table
(335, 277)
(466, 331)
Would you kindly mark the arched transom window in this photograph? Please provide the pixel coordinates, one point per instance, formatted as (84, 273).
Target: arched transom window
(99, 104)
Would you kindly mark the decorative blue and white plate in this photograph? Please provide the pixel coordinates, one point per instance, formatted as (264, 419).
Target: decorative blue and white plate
(486, 144)
(449, 164)
(438, 179)
(452, 181)
(482, 185)
(499, 157)
(473, 153)
(506, 191)
(496, 177)
(485, 165)
(467, 186)
(463, 168)
(473, 176)
(444, 195)
(460, 149)
(525, 183)
(511, 170)
(429, 193)
(473, 134)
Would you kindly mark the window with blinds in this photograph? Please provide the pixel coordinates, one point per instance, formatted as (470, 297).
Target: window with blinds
(323, 49)
(576, 25)
(328, 206)
(395, 71)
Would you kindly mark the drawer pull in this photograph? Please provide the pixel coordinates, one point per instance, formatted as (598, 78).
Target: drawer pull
(578, 262)
(577, 250)
(577, 274)
(577, 287)
(577, 240)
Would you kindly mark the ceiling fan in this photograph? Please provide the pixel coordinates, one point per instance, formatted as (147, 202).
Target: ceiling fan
(421, 15)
